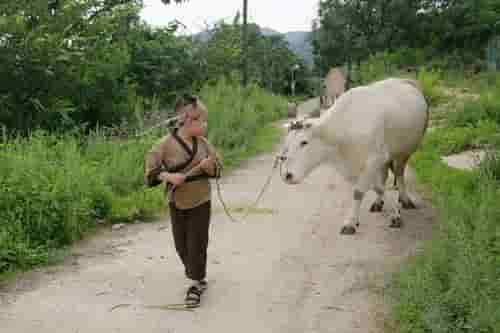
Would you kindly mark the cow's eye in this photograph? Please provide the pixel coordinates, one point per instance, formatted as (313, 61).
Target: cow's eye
(303, 143)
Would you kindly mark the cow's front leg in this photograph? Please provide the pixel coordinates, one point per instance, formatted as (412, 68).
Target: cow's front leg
(371, 175)
(352, 223)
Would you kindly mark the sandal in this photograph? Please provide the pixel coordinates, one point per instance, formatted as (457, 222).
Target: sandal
(193, 296)
(202, 286)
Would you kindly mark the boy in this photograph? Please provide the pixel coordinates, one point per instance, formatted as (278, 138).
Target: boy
(185, 161)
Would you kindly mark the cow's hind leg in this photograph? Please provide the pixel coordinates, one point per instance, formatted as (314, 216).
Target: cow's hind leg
(399, 171)
(378, 204)
(394, 207)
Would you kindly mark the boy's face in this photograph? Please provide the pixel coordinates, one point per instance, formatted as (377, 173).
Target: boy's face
(195, 122)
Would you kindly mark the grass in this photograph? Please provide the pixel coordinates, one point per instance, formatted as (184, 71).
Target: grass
(431, 88)
(453, 285)
(56, 188)
(453, 140)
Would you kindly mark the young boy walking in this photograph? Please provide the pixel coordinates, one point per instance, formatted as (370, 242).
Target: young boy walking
(184, 160)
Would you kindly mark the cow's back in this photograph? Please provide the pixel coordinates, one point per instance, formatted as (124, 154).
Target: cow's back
(388, 115)
(405, 119)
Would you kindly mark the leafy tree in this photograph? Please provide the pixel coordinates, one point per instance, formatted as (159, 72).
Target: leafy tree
(352, 30)
(67, 63)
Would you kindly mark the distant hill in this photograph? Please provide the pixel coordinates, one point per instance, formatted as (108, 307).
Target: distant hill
(298, 41)
(300, 44)
(203, 36)
(269, 32)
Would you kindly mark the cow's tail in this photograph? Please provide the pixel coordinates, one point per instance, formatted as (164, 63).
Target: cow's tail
(427, 117)
(392, 168)
(418, 86)
(414, 83)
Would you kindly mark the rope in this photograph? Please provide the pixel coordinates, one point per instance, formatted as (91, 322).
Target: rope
(259, 196)
(195, 168)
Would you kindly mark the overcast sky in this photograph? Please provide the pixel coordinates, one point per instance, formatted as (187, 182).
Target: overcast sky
(195, 14)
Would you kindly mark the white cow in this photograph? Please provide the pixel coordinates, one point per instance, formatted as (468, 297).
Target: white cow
(369, 130)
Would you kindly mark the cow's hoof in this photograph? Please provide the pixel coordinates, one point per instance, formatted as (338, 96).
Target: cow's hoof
(396, 222)
(407, 204)
(377, 206)
(348, 230)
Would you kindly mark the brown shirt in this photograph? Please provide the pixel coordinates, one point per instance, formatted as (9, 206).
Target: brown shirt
(170, 154)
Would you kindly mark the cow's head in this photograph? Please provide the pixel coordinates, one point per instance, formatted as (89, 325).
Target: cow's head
(302, 152)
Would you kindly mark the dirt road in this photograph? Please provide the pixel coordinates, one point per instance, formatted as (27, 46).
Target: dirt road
(285, 269)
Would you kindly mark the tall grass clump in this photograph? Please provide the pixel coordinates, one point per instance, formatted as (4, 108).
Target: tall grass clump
(121, 167)
(469, 115)
(49, 197)
(430, 84)
(55, 188)
(490, 102)
(473, 112)
(374, 68)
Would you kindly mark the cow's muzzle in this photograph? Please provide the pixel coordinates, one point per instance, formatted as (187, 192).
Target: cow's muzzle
(289, 178)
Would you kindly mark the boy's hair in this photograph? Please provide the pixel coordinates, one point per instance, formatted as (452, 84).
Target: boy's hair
(186, 100)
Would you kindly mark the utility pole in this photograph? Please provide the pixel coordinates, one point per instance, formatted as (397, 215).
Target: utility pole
(245, 43)
(294, 68)
(317, 32)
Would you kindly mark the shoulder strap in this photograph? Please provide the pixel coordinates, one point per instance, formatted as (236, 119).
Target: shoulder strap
(191, 153)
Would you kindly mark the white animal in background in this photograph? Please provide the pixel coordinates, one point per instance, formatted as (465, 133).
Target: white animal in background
(369, 130)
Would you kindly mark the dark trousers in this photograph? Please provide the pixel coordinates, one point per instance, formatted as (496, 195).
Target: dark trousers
(190, 231)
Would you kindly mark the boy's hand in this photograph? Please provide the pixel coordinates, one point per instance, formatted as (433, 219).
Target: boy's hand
(208, 165)
(175, 178)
